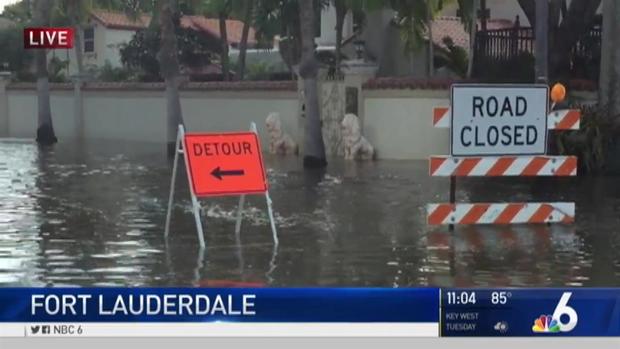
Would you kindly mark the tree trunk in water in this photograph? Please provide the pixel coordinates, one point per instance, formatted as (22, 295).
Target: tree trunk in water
(169, 64)
(314, 148)
(542, 37)
(45, 128)
(576, 20)
(224, 46)
(472, 38)
(341, 13)
(243, 45)
(609, 80)
(77, 87)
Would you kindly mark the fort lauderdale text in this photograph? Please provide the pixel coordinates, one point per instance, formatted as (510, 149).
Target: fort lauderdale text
(149, 304)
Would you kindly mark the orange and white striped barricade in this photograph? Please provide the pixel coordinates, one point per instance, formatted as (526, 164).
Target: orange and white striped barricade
(497, 166)
(501, 213)
(566, 119)
(493, 163)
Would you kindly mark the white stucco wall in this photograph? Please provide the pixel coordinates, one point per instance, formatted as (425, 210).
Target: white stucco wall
(222, 112)
(141, 115)
(113, 38)
(107, 43)
(399, 123)
(125, 115)
(22, 108)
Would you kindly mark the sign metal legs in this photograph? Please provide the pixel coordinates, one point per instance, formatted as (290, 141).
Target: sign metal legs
(196, 209)
(195, 204)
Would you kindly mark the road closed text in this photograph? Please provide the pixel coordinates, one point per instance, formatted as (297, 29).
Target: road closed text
(498, 121)
(506, 135)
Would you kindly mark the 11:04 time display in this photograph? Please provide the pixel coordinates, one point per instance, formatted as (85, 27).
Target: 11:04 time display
(462, 297)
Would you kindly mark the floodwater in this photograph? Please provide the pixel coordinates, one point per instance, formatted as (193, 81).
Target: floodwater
(93, 215)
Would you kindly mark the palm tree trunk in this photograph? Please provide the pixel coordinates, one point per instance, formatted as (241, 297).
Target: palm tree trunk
(341, 13)
(45, 127)
(169, 64)
(77, 87)
(243, 45)
(431, 54)
(314, 148)
(609, 80)
(607, 42)
(224, 46)
(472, 38)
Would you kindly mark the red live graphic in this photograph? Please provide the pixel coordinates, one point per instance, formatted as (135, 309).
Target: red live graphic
(48, 38)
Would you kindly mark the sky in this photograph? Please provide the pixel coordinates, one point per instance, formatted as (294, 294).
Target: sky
(6, 2)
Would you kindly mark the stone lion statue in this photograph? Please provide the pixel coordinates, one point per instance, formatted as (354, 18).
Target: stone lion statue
(356, 147)
(279, 141)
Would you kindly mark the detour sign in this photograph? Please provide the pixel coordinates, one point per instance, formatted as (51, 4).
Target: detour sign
(225, 163)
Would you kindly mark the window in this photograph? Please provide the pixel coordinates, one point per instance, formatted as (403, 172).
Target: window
(89, 40)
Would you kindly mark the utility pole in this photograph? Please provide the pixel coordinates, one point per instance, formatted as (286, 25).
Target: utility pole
(542, 43)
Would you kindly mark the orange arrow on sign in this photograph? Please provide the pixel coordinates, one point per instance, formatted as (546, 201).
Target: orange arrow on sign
(225, 163)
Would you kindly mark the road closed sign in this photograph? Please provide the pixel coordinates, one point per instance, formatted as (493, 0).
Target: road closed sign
(225, 164)
(499, 120)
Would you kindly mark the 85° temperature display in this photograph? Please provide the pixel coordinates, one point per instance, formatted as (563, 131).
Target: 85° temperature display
(530, 312)
(469, 297)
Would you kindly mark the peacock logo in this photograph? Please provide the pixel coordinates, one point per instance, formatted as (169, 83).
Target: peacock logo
(553, 323)
(545, 323)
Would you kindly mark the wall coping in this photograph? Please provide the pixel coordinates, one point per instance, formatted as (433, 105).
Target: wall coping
(406, 83)
(160, 86)
(385, 83)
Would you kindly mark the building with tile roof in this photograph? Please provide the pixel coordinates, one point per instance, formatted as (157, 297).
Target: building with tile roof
(106, 31)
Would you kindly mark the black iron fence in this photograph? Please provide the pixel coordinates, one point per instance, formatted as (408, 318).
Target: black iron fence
(508, 55)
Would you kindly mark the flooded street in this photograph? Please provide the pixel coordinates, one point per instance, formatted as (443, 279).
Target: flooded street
(93, 215)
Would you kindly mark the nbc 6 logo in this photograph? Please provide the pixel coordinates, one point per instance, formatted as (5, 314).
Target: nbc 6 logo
(562, 309)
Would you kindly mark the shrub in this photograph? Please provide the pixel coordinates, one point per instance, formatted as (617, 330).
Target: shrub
(13, 56)
(109, 73)
(140, 54)
(593, 141)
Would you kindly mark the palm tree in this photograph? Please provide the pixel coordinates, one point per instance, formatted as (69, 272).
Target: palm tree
(314, 148)
(75, 13)
(169, 67)
(221, 9)
(344, 7)
(414, 18)
(280, 17)
(248, 17)
(45, 128)
(468, 9)
(609, 81)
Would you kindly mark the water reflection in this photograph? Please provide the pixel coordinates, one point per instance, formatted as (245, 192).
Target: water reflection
(93, 214)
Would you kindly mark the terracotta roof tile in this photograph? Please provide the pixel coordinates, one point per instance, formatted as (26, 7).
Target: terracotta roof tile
(453, 27)
(119, 20)
(234, 28)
